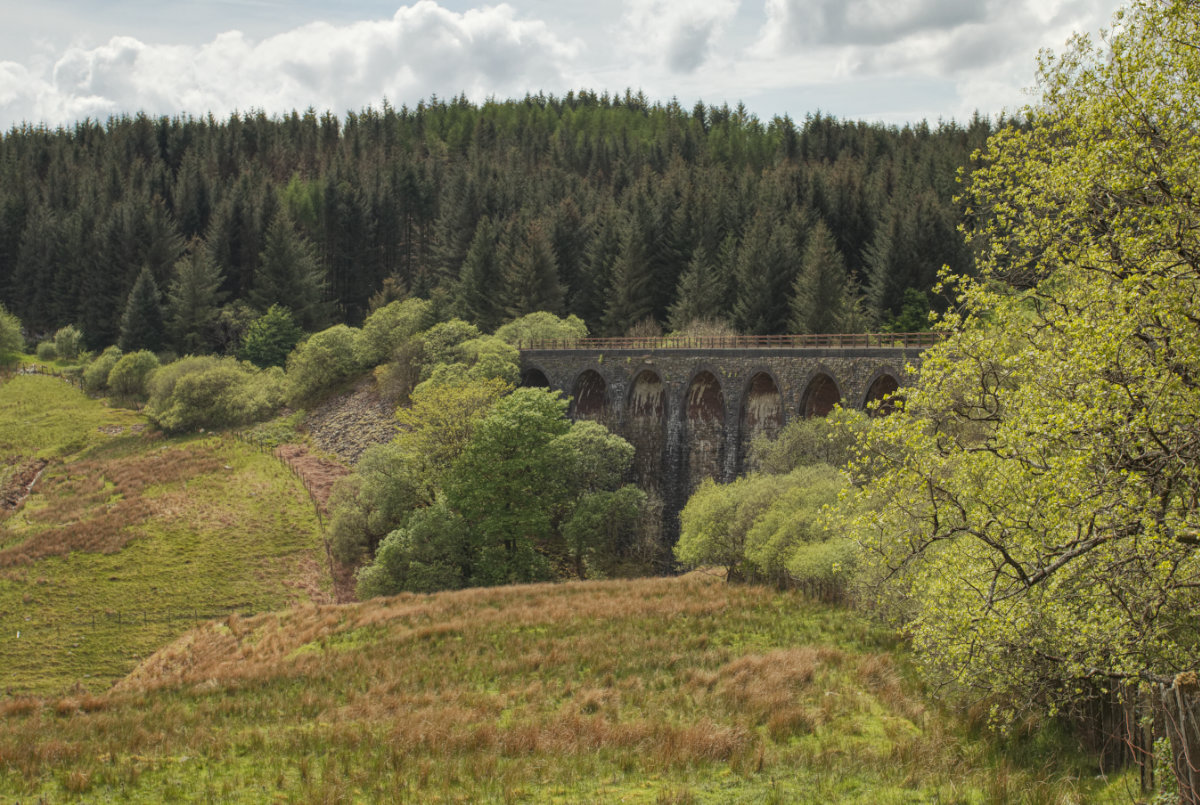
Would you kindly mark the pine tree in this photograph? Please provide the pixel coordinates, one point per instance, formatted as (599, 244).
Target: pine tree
(142, 324)
(629, 300)
(763, 276)
(479, 281)
(702, 294)
(531, 276)
(288, 274)
(820, 292)
(194, 301)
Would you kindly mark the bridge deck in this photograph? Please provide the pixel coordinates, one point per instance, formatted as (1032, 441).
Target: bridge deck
(741, 342)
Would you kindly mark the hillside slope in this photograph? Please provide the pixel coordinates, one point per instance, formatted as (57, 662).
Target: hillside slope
(127, 539)
(657, 690)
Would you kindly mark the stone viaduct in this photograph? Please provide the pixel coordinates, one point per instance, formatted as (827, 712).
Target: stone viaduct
(691, 406)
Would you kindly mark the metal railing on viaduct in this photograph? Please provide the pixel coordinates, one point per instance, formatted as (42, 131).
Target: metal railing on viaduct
(691, 405)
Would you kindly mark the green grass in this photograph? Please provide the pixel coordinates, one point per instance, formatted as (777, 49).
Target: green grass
(631, 691)
(681, 690)
(163, 531)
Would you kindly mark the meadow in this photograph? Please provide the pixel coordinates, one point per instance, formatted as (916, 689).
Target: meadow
(140, 675)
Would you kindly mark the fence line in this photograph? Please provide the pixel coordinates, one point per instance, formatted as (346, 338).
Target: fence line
(93, 620)
(811, 341)
(11, 370)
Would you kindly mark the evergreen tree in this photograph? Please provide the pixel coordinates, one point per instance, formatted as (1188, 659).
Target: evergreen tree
(629, 300)
(531, 276)
(142, 323)
(702, 293)
(478, 296)
(763, 276)
(288, 274)
(821, 295)
(193, 302)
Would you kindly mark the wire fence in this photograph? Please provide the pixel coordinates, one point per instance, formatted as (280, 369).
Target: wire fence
(10, 370)
(268, 447)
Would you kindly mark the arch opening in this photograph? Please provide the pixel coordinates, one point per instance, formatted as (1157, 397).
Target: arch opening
(820, 397)
(534, 378)
(647, 430)
(762, 412)
(705, 419)
(884, 391)
(590, 398)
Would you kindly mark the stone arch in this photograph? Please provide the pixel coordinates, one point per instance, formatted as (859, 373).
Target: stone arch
(762, 409)
(589, 397)
(533, 377)
(820, 396)
(704, 419)
(884, 384)
(646, 428)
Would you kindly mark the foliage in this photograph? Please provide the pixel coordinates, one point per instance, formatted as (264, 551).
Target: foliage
(142, 323)
(388, 328)
(12, 342)
(95, 376)
(46, 351)
(288, 274)
(830, 439)
(768, 527)
(542, 326)
(211, 392)
(68, 342)
(128, 378)
(1034, 506)
(426, 555)
(320, 362)
(440, 342)
(194, 296)
(270, 338)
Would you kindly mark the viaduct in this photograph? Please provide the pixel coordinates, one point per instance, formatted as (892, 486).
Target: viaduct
(691, 405)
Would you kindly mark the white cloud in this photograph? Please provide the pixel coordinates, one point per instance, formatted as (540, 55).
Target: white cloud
(421, 50)
(677, 34)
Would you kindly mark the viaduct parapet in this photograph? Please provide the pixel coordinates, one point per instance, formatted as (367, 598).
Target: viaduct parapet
(691, 407)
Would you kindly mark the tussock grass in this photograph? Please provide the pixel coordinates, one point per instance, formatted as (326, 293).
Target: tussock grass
(656, 690)
(128, 537)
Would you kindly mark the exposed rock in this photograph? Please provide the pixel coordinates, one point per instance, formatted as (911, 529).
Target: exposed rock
(347, 424)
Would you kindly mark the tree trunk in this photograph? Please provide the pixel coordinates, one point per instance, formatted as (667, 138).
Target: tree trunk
(1181, 716)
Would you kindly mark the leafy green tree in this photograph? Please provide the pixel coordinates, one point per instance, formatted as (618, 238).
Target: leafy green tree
(542, 325)
(1033, 508)
(325, 359)
(211, 392)
(142, 323)
(270, 338)
(129, 375)
(68, 342)
(390, 326)
(505, 484)
(428, 554)
(193, 301)
(12, 342)
(95, 376)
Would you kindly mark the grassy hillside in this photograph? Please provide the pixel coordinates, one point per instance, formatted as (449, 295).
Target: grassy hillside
(659, 690)
(128, 539)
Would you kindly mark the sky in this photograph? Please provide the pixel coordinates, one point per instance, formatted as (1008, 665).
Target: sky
(890, 61)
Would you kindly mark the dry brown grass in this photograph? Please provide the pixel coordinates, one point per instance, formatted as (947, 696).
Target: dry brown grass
(95, 506)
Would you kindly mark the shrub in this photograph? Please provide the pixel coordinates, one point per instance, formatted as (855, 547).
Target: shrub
(440, 342)
(68, 341)
(542, 326)
(324, 359)
(95, 376)
(129, 374)
(389, 327)
(46, 351)
(212, 392)
(270, 338)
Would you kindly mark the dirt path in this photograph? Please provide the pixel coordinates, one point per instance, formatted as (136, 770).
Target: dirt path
(319, 475)
(20, 484)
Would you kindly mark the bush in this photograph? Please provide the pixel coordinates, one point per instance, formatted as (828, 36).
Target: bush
(323, 360)
(68, 341)
(389, 327)
(804, 442)
(427, 555)
(95, 376)
(128, 377)
(542, 326)
(270, 338)
(440, 342)
(46, 351)
(212, 392)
